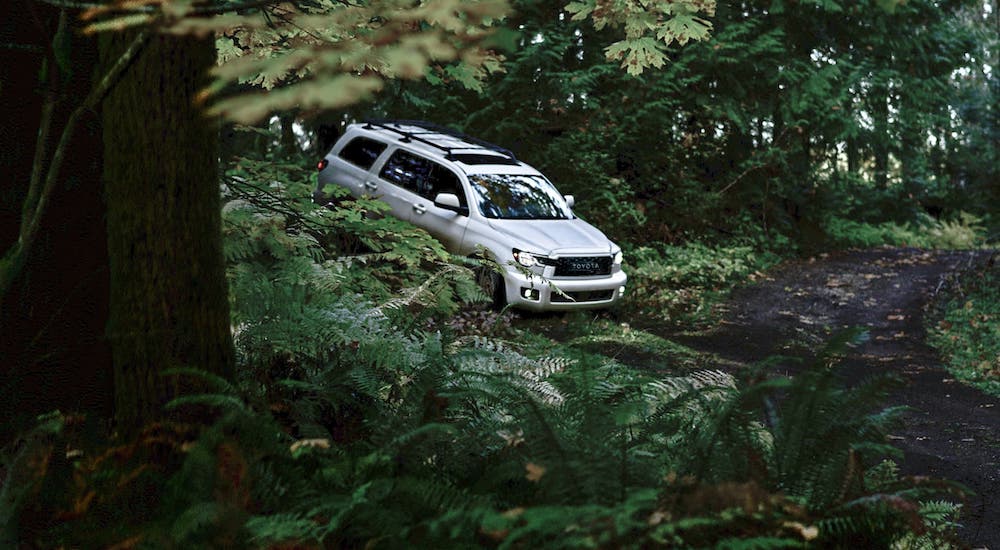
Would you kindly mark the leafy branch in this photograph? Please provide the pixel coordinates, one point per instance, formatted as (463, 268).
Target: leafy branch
(39, 190)
(650, 27)
(314, 55)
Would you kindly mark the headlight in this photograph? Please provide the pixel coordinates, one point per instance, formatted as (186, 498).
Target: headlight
(618, 257)
(524, 258)
(528, 259)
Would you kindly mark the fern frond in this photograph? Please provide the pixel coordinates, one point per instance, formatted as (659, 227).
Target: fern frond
(282, 528)
(195, 520)
(220, 383)
(209, 399)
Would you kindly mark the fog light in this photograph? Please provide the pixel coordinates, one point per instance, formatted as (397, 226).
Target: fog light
(529, 293)
(621, 291)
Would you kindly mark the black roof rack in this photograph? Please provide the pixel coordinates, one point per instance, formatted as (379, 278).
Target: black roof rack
(394, 124)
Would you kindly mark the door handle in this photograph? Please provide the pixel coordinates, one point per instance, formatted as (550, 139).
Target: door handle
(419, 208)
(371, 185)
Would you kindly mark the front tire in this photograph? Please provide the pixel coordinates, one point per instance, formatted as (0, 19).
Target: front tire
(493, 285)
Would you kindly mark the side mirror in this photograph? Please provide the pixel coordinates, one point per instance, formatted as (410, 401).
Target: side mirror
(570, 201)
(449, 201)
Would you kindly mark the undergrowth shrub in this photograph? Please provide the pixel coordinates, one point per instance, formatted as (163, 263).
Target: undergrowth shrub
(966, 327)
(614, 339)
(408, 438)
(681, 283)
(294, 266)
(964, 232)
(272, 229)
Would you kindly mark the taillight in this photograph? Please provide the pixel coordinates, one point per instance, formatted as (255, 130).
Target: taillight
(321, 165)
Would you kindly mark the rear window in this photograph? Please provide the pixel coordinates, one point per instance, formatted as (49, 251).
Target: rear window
(362, 151)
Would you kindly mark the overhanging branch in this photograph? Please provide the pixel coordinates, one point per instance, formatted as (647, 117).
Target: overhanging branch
(39, 192)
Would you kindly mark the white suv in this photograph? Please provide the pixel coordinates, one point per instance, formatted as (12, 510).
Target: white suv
(471, 194)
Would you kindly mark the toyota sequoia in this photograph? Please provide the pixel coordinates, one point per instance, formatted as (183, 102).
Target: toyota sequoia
(476, 197)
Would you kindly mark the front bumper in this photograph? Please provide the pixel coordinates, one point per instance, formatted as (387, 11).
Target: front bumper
(589, 292)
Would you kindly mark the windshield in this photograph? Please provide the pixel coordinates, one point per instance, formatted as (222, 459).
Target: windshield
(518, 197)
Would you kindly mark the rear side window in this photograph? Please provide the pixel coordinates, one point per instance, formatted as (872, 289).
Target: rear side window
(421, 176)
(406, 170)
(362, 152)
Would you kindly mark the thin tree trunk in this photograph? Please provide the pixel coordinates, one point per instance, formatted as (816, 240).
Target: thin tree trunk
(853, 156)
(289, 143)
(880, 141)
(805, 155)
(169, 303)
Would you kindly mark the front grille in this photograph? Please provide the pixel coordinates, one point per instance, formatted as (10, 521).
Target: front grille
(578, 266)
(583, 296)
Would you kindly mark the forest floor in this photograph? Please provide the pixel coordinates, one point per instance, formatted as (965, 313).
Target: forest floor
(951, 431)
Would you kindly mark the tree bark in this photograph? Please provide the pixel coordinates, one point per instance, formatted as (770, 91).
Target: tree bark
(289, 143)
(169, 305)
(880, 139)
(853, 156)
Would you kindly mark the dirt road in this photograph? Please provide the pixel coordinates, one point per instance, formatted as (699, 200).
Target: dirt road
(952, 431)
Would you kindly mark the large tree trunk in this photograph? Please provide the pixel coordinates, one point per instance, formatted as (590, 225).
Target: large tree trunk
(169, 305)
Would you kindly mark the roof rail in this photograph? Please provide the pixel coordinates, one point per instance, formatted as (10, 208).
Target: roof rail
(393, 125)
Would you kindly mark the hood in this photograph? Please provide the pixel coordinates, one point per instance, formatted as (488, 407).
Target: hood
(553, 236)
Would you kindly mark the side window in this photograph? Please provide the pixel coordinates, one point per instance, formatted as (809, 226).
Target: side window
(362, 152)
(444, 180)
(421, 176)
(407, 171)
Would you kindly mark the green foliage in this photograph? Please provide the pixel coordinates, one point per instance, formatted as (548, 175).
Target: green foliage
(323, 54)
(295, 264)
(330, 55)
(621, 339)
(964, 232)
(412, 438)
(819, 415)
(650, 27)
(471, 442)
(680, 283)
(359, 418)
(966, 329)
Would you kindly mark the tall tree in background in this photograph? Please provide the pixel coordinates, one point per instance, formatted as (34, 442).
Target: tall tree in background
(794, 113)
